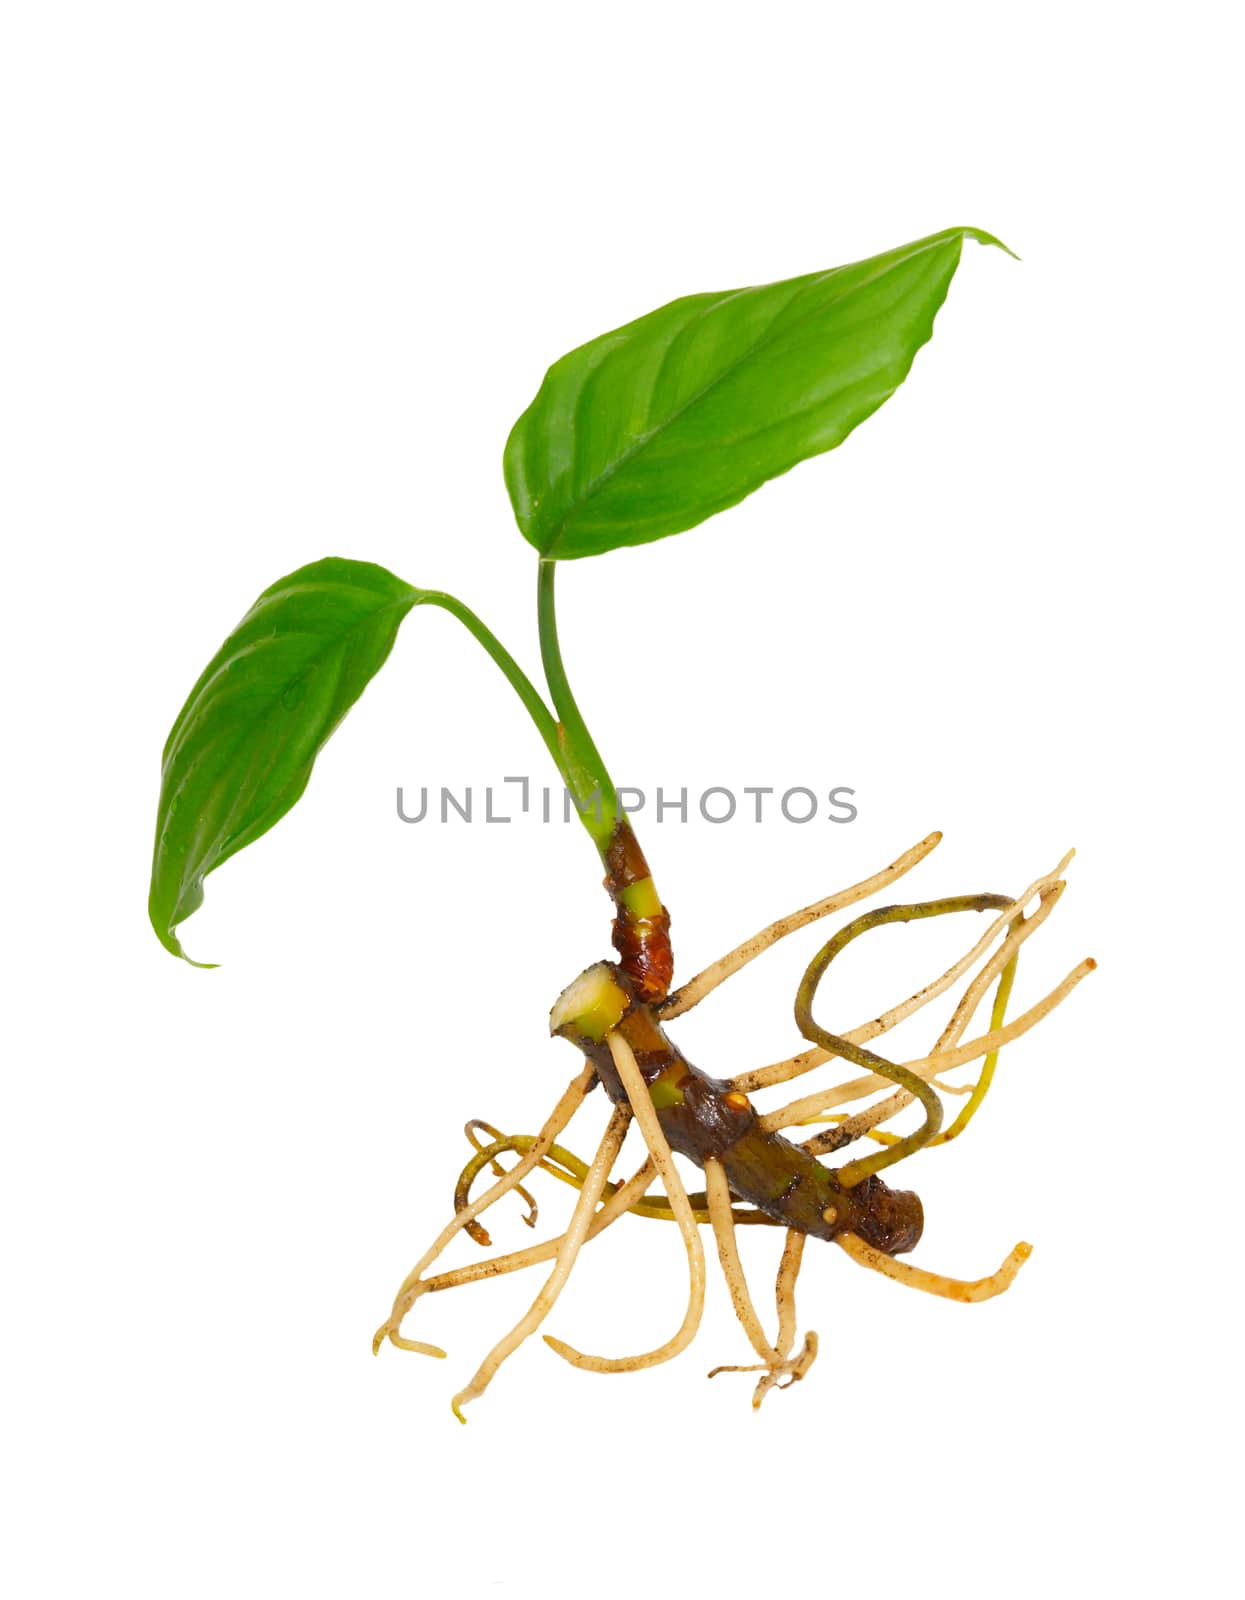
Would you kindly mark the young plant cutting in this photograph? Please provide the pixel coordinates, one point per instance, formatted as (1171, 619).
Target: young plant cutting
(642, 433)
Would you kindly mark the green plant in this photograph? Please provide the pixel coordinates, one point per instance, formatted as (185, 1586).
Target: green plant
(638, 435)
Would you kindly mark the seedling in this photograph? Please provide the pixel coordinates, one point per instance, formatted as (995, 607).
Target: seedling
(640, 434)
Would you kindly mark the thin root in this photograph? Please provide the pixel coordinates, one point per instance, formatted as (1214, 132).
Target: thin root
(784, 1289)
(775, 1363)
(663, 1159)
(935, 1282)
(927, 1066)
(1002, 964)
(568, 1168)
(619, 1203)
(568, 1104)
(794, 1066)
(718, 1190)
(695, 990)
(568, 1250)
(474, 1230)
(781, 1377)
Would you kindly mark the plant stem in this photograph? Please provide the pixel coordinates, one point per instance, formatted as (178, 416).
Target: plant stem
(642, 925)
(579, 760)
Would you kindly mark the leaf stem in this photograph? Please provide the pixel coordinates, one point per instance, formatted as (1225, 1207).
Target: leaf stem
(519, 681)
(579, 760)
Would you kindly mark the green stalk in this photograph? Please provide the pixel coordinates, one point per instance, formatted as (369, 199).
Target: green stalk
(519, 681)
(579, 760)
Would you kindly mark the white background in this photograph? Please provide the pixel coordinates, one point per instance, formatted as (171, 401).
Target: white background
(279, 279)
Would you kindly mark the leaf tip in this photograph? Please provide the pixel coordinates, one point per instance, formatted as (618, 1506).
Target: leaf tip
(989, 239)
(173, 945)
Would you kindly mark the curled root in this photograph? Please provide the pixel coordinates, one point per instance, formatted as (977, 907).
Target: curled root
(695, 990)
(406, 1296)
(795, 1066)
(474, 1229)
(1001, 965)
(568, 1168)
(930, 1066)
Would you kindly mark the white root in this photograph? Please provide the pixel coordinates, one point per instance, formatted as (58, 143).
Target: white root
(663, 1159)
(865, 1121)
(775, 1364)
(807, 1060)
(572, 1240)
(562, 1113)
(695, 990)
(935, 1283)
(718, 1191)
(926, 1066)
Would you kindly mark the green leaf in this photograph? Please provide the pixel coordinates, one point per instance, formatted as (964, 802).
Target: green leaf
(650, 429)
(242, 749)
